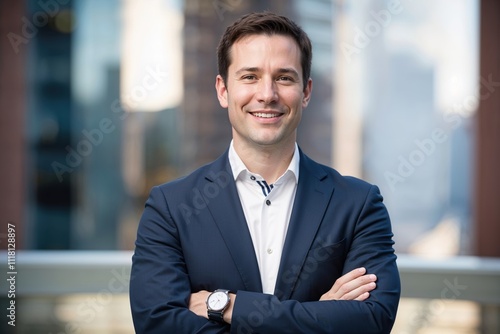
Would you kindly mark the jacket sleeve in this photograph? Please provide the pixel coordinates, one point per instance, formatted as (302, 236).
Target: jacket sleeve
(371, 247)
(159, 284)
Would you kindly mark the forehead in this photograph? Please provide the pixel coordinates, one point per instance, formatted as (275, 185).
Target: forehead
(256, 46)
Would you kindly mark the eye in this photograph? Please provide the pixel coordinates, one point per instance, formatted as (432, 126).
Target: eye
(285, 79)
(249, 77)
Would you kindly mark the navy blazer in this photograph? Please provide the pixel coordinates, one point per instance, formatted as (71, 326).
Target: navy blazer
(193, 236)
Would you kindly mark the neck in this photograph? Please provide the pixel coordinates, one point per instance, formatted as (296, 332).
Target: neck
(268, 162)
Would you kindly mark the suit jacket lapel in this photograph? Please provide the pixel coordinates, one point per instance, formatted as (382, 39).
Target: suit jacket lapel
(227, 213)
(314, 191)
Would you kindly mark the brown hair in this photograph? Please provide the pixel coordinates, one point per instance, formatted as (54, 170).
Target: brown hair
(263, 23)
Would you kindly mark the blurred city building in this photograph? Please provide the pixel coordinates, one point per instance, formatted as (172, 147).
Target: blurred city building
(101, 100)
(120, 96)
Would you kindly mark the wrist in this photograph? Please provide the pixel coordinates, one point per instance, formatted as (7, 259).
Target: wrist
(228, 314)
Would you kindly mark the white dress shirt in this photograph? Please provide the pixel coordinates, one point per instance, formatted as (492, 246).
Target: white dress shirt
(267, 210)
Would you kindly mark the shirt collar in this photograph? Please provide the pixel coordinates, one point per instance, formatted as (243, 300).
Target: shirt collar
(238, 167)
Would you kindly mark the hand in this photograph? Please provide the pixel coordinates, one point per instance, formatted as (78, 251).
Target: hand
(354, 285)
(198, 303)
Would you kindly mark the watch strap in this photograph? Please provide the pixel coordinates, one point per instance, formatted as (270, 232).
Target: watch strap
(216, 315)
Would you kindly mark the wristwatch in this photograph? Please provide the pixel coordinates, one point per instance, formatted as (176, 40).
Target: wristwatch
(217, 303)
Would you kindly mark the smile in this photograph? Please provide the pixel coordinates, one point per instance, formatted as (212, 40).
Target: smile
(266, 115)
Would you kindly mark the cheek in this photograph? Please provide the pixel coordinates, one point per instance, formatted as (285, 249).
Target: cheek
(240, 98)
(294, 100)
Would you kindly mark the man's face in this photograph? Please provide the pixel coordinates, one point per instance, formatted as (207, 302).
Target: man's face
(265, 92)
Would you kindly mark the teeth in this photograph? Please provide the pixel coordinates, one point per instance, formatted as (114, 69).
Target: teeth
(265, 115)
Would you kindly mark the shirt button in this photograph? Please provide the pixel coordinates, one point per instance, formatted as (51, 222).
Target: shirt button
(269, 251)
(268, 202)
(252, 178)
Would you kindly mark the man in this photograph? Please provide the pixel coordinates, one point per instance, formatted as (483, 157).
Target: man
(264, 240)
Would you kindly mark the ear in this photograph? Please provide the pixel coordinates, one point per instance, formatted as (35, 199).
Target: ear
(221, 89)
(307, 93)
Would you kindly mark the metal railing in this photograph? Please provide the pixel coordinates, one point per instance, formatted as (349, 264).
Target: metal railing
(55, 273)
(61, 272)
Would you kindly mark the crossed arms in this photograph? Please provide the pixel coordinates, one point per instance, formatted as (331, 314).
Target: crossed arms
(355, 285)
(168, 291)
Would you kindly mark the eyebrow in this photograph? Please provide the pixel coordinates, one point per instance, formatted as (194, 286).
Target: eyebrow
(285, 70)
(247, 69)
(288, 71)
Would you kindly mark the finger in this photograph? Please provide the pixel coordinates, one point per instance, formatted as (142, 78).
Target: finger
(360, 292)
(363, 296)
(355, 284)
(353, 290)
(353, 274)
(351, 286)
(343, 286)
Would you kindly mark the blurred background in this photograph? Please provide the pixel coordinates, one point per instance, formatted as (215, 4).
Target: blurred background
(101, 100)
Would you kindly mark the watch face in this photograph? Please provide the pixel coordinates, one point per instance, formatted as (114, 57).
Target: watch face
(217, 301)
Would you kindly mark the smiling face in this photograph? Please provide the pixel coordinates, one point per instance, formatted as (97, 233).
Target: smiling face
(264, 92)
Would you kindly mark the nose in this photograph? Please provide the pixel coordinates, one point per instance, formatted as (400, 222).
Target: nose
(267, 91)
